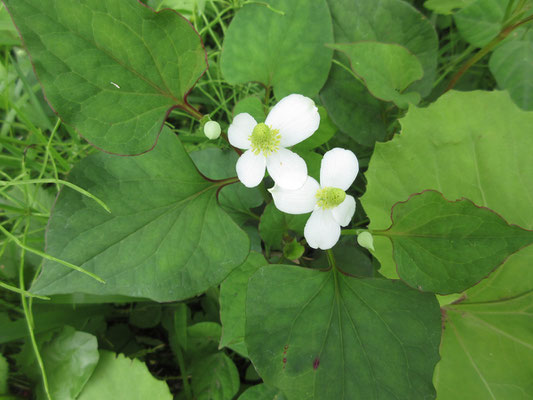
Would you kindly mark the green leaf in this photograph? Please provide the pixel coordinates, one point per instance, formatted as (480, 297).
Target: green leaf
(262, 392)
(487, 343)
(253, 106)
(386, 69)
(451, 146)
(352, 108)
(481, 21)
(215, 378)
(203, 338)
(293, 250)
(446, 247)
(69, 361)
(112, 69)
(220, 164)
(4, 374)
(166, 238)
(324, 335)
(145, 315)
(232, 303)
(446, 7)
(284, 51)
(512, 66)
(121, 378)
(48, 317)
(389, 21)
(275, 224)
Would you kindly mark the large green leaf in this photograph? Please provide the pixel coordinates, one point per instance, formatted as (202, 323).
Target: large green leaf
(69, 359)
(386, 69)
(112, 69)
(166, 237)
(120, 378)
(388, 21)
(262, 392)
(466, 144)
(325, 335)
(446, 247)
(353, 109)
(487, 343)
(215, 378)
(446, 6)
(233, 300)
(481, 21)
(512, 66)
(284, 51)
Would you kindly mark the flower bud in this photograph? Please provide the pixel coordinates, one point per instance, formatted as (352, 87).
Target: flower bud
(212, 130)
(366, 240)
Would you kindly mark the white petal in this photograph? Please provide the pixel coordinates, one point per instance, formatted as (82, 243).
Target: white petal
(240, 129)
(344, 212)
(298, 201)
(251, 168)
(296, 117)
(338, 169)
(287, 169)
(321, 230)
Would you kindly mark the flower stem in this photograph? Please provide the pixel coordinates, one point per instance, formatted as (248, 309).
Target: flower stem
(331, 259)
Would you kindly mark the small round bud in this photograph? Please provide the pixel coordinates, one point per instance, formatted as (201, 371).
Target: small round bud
(366, 240)
(212, 130)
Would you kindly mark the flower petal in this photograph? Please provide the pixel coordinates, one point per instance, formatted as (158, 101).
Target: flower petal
(287, 169)
(344, 212)
(296, 117)
(338, 169)
(251, 168)
(240, 129)
(298, 201)
(321, 230)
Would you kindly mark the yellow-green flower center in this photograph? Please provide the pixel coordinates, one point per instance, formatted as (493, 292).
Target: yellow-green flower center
(329, 197)
(265, 139)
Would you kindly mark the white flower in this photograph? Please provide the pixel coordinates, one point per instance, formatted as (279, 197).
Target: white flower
(292, 120)
(330, 205)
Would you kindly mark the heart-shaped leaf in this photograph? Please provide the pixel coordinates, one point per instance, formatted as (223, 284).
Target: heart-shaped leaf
(446, 247)
(389, 21)
(487, 342)
(355, 111)
(112, 69)
(281, 45)
(166, 237)
(324, 335)
(467, 144)
(386, 69)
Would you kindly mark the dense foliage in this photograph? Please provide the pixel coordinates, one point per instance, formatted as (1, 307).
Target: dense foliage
(134, 264)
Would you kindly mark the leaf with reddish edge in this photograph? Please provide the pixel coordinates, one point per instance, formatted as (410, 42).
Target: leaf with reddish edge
(487, 341)
(112, 69)
(325, 335)
(447, 246)
(466, 144)
(166, 238)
